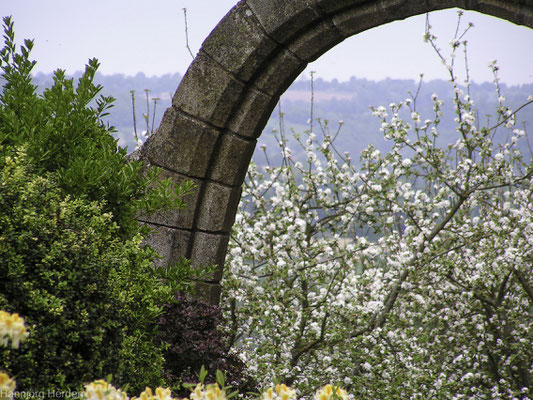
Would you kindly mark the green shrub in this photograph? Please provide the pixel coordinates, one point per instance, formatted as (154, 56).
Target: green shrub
(88, 296)
(72, 261)
(63, 133)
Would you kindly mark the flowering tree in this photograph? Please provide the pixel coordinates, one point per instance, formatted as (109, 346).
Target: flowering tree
(408, 275)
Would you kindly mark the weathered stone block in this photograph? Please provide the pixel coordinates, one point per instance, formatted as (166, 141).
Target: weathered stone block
(314, 42)
(210, 249)
(176, 218)
(231, 159)
(505, 10)
(208, 91)
(525, 17)
(282, 19)
(208, 292)
(182, 144)
(400, 9)
(218, 207)
(359, 19)
(280, 73)
(170, 244)
(444, 4)
(329, 7)
(238, 43)
(252, 114)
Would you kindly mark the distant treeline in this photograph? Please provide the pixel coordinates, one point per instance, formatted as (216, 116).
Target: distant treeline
(346, 101)
(360, 128)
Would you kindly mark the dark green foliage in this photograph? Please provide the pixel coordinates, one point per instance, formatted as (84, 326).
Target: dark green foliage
(63, 133)
(72, 261)
(88, 296)
(190, 329)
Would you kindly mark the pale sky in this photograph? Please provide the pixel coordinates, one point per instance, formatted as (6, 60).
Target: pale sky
(130, 36)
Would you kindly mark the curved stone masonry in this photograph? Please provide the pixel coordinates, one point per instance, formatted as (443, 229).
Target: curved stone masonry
(229, 91)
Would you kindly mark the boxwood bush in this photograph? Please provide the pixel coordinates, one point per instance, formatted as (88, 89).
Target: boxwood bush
(88, 296)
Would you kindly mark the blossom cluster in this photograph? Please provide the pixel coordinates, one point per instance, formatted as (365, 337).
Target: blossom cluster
(209, 392)
(160, 394)
(279, 392)
(330, 392)
(12, 328)
(7, 386)
(102, 390)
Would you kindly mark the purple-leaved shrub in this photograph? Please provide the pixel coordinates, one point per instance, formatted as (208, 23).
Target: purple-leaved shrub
(190, 328)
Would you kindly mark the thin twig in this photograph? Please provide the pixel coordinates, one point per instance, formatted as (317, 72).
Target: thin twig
(134, 118)
(513, 113)
(147, 115)
(187, 33)
(155, 99)
(312, 73)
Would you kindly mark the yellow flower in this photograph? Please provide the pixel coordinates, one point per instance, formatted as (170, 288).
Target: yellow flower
(146, 395)
(198, 392)
(326, 393)
(12, 327)
(215, 393)
(285, 392)
(163, 394)
(268, 394)
(280, 392)
(211, 392)
(101, 390)
(160, 394)
(7, 386)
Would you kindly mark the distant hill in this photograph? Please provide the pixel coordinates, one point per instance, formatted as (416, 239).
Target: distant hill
(350, 102)
(334, 101)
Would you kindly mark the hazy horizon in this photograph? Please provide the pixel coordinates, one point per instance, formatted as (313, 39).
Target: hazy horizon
(131, 36)
(301, 78)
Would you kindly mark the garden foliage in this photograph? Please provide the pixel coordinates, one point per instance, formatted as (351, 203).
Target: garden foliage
(88, 295)
(72, 259)
(407, 275)
(63, 133)
(190, 327)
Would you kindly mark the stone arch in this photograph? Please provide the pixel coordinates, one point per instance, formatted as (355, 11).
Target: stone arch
(229, 91)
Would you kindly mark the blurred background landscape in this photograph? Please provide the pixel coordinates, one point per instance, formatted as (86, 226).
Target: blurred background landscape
(334, 101)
